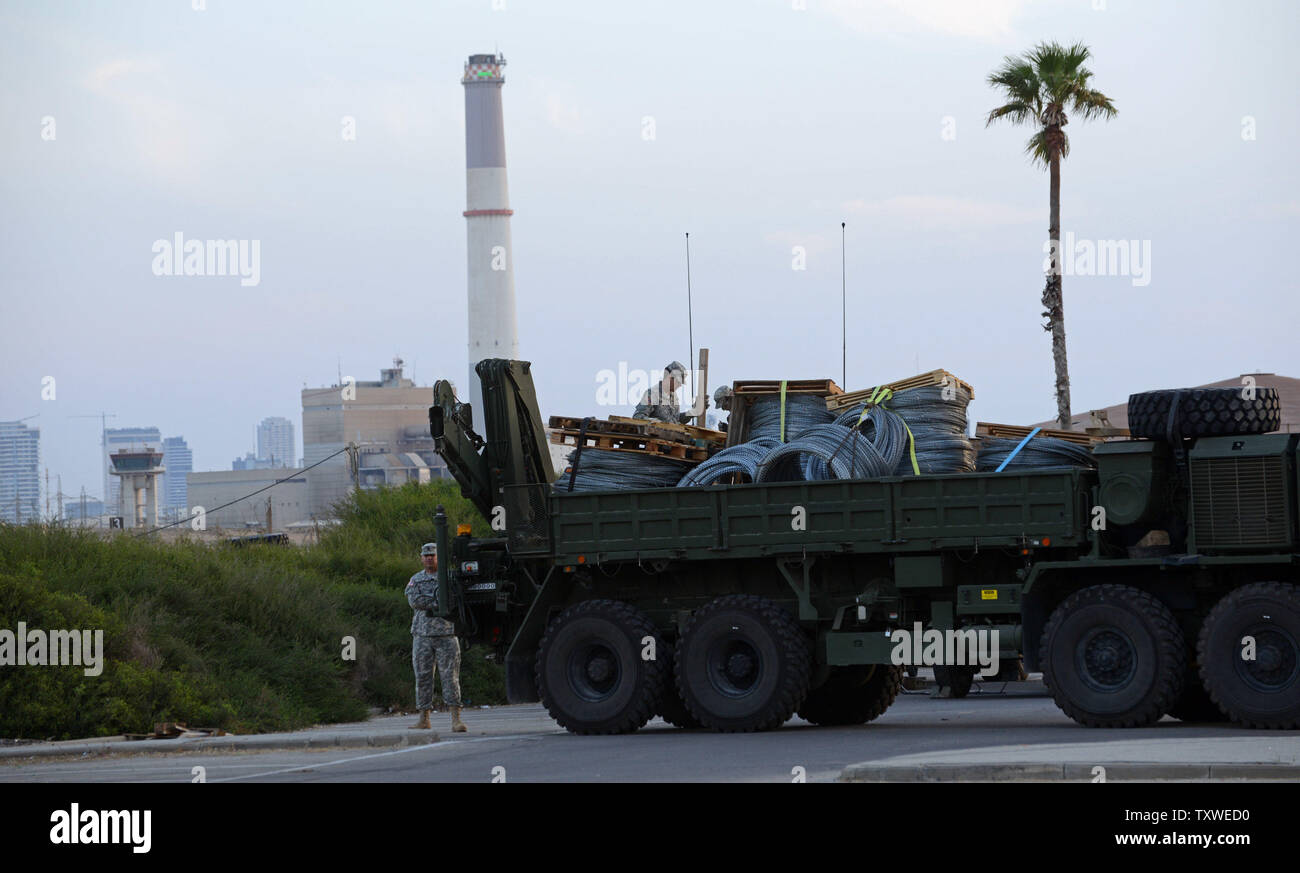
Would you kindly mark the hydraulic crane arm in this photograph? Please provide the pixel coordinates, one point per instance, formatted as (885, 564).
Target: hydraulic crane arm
(514, 451)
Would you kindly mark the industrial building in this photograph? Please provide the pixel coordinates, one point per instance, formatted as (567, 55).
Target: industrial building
(287, 501)
(20, 478)
(388, 422)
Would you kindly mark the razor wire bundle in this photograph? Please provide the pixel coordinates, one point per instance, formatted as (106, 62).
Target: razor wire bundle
(604, 470)
(1038, 453)
(802, 411)
(742, 458)
(831, 451)
(938, 426)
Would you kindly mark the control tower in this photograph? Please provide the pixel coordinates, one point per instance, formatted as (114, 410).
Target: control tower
(138, 471)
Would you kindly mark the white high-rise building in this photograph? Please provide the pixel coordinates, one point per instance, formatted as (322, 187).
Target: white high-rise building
(20, 472)
(275, 441)
(179, 461)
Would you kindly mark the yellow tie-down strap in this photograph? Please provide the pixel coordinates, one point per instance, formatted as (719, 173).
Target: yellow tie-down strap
(783, 410)
(878, 396)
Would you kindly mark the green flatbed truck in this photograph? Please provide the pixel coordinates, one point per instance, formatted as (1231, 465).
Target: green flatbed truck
(1163, 582)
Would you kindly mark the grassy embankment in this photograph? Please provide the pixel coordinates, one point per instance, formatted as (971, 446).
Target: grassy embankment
(246, 639)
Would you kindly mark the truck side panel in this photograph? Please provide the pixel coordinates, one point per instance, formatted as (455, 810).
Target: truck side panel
(901, 514)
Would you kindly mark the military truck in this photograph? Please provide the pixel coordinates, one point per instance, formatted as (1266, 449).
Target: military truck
(1162, 582)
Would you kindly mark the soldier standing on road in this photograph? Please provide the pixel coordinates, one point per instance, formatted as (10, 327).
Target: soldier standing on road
(433, 643)
(659, 403)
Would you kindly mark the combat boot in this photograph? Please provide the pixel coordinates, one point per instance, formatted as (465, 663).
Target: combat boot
(423, 723)
(457, 726)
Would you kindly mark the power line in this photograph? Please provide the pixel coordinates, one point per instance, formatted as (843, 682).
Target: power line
(252, 494)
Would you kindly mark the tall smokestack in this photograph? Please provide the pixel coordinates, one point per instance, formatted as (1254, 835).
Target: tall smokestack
(492, 324)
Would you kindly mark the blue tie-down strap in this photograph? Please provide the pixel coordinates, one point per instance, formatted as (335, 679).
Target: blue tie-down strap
(1016, 450)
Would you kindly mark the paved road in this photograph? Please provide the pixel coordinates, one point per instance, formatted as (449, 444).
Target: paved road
(530, 747)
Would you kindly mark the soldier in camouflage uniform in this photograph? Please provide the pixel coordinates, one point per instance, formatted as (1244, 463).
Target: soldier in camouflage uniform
(659, 403)
(433, 643)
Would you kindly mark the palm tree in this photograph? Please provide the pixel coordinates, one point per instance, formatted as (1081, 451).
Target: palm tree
(1039, 86)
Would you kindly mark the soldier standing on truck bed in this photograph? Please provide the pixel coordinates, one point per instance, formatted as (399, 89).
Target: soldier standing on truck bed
(659, 403)
(433, 643)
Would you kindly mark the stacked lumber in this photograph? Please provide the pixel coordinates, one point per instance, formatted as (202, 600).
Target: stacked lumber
(843, 400)
(637, 435)
(822, 387)
(1019, 431)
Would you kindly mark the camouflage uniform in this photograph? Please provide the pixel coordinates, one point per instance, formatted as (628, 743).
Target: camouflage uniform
(433, 643)
(657, 404)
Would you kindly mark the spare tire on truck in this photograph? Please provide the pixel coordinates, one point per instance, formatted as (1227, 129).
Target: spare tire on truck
(1204, 412)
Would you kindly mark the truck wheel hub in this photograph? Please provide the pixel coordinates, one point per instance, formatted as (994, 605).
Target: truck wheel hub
(599, 668)
(1275, 663)
(735, 667)
(1108, 660)
(739, 666)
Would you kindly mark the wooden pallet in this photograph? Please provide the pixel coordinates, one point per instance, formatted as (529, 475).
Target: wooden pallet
(823, 387)
(1020, 431)
(922, 380)
(622, 425)
(688, 431)
(637, 443)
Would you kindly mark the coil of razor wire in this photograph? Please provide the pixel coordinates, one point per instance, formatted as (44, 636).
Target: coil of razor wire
(938, 425)
(605, 470)
(845, 453)
(802, 411)
(1038, 453)
(741, 459)
(884, 431)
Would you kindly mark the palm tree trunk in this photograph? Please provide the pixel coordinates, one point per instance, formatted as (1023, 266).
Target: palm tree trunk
(1052, 299)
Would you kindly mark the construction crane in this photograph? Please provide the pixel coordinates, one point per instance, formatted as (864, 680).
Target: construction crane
(103, 443)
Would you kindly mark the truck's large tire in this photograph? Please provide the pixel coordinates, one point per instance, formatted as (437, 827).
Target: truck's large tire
(853, 695)
(957, 680)
(1113, 656)
(743, 664)
(1263, 692)
(590, 673)
(1204, 412)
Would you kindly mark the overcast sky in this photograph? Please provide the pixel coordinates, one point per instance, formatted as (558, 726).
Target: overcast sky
(771, 125)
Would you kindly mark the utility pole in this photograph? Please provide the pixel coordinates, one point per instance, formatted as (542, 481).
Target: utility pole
(690, 319)
(702, 389)
(103, 444)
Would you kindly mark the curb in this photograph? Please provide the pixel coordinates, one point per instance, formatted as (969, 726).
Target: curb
(1026, 772)
(255, 742)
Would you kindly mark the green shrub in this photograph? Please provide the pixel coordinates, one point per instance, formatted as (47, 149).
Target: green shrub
(246, 639)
